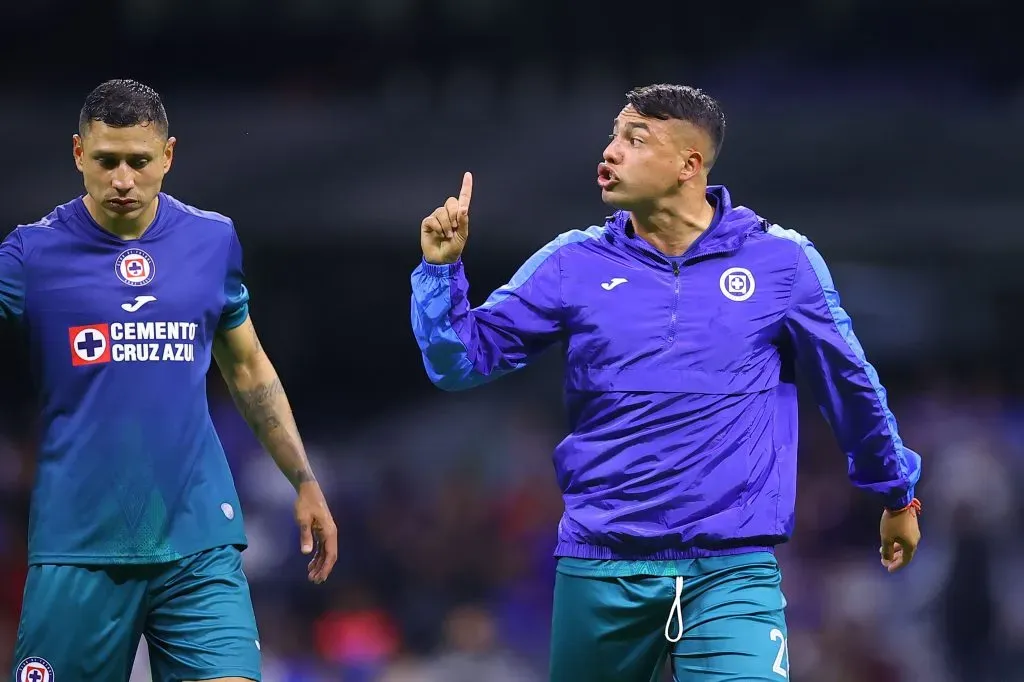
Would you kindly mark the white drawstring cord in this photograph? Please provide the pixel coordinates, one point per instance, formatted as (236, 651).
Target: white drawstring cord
(677, 612)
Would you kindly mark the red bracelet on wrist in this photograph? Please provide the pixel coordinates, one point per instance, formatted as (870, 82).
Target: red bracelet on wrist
(915, 505)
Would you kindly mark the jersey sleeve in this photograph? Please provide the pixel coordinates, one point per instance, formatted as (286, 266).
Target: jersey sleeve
(464, 347)
(12, 277)
(236, 295)
(848, 390)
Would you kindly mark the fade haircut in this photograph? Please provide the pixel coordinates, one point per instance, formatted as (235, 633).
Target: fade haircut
(684, 103)
(122, 103)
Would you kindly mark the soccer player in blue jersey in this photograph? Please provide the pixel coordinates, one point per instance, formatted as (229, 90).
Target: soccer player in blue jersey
(684, 318)
(125, 295)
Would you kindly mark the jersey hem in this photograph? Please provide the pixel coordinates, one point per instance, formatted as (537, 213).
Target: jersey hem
(577, 550)
(133, 560)
(217, 673)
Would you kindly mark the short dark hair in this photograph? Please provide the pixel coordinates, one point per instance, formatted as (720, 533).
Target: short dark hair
(121, 103)
(682, 102)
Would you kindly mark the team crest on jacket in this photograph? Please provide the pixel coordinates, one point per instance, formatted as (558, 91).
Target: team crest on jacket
(737, 284)
(135, 267)
(34, 669)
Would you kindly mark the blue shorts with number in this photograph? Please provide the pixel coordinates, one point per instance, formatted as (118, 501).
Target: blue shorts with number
(625, 629)
(83, 623)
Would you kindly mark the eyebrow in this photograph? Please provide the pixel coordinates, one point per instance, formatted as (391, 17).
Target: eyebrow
(631, 125)
(130, 155)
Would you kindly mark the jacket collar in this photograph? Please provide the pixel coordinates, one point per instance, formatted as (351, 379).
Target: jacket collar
(725, 235)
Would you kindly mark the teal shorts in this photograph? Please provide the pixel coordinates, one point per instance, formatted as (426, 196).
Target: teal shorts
(83, 623)
(612, 627)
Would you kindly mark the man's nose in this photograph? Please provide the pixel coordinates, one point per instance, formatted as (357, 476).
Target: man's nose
(612, 153)
(124, 178)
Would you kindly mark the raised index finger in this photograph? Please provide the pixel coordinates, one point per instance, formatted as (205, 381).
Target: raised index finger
(466, 193)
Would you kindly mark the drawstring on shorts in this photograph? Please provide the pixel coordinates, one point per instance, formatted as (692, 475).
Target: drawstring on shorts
(676, 612)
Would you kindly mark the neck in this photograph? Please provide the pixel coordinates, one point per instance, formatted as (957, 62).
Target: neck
(124, 227)
(672, 224)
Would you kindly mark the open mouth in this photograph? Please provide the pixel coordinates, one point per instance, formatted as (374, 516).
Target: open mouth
(606, 178)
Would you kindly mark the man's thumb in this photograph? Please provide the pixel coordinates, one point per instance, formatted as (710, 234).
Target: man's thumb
(888, 549)
(305, 537)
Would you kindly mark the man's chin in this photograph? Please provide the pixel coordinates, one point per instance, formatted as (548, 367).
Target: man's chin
(616, 199)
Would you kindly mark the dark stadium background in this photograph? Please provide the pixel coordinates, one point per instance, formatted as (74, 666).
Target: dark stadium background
(891, 132)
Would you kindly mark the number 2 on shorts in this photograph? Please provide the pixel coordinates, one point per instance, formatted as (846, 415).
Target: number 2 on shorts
(777, 636)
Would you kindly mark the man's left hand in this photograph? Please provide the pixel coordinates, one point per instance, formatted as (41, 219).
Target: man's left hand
(318, 533)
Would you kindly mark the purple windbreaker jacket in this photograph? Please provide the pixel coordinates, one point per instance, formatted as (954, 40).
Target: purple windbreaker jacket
(679, 380)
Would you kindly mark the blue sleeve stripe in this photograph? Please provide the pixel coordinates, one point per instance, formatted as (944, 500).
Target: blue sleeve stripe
(235, 318)
(236, 310)
(433, 329)
(844, 327)
(527, 270)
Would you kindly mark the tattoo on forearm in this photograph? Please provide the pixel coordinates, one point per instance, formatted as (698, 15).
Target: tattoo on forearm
(258, 407)
(261, 407)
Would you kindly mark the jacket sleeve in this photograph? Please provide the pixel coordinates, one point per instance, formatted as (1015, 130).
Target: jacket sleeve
(846, 386)
(12, 277)
(464, 347)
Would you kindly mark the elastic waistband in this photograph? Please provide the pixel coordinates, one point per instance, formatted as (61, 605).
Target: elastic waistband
(583, 551)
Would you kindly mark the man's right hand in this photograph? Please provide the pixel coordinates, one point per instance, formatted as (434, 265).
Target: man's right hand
(444, 232)
(900, 536)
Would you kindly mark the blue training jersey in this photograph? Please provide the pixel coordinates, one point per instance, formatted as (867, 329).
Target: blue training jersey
(130, 469)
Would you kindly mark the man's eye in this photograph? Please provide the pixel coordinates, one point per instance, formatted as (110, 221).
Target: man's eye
(636, 141)
(107, 163)
(139, 163)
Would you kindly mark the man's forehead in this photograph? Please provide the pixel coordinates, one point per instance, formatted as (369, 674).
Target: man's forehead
(144, 134)
(631, 115)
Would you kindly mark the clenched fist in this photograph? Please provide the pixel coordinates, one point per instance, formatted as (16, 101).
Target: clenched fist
(444, 232)
(900, 536)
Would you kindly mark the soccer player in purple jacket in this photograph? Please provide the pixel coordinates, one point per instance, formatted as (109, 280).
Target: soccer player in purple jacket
(684, 319)
(125, 295)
